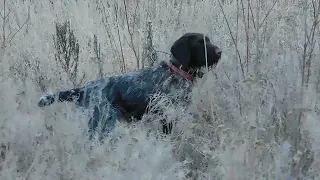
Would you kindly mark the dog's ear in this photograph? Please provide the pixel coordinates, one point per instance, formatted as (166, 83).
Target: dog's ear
(181, 50)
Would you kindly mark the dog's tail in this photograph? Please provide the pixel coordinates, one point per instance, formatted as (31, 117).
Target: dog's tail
(70, 95)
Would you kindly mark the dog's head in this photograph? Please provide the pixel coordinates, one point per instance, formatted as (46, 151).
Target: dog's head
(194, 50)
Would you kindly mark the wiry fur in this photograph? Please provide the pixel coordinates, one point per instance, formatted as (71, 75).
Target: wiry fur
(127, 95)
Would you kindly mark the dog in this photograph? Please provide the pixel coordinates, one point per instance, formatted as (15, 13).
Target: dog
(115, 98)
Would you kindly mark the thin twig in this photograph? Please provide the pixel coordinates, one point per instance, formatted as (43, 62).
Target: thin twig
(257, 57)
(205, 51)
(131, 44)
(252, 18)
(123, 68)
(111, 38)
(237, 34)
(21, 26)
(257, 40)
(4, 24)
(233, 39)
(311, 39)
(274, 3)
(163, 52)
(5, 16)
(237, 28)
(30, 168)
(247, 35)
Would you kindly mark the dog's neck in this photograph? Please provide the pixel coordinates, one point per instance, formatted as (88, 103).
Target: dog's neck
(174, 66)
(177, 64)
(195, 72)
(180, 71)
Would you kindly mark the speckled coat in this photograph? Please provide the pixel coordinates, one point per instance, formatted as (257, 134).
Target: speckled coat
(124, 96)
(128, 95)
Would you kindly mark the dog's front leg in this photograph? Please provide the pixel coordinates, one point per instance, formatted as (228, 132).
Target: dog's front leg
(166, 126)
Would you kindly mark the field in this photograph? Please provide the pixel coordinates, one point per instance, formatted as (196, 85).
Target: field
(257, 111)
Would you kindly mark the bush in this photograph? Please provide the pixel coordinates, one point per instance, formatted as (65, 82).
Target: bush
(67, 50)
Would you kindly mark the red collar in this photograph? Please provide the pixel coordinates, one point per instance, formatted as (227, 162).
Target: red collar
(181, 72)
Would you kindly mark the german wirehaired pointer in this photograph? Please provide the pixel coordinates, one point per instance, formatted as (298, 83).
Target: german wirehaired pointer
(128, 95)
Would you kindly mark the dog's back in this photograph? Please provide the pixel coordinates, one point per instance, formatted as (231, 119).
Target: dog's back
(129, 92)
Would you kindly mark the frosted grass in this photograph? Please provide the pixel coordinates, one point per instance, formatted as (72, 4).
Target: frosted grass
(240, 128)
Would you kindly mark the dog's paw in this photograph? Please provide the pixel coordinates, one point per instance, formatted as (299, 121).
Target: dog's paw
(46, 100)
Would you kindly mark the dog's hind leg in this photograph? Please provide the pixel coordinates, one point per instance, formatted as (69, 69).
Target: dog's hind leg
(103, 121)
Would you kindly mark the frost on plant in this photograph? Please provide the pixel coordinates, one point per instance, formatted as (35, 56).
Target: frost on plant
(255, 116)
(67, 50)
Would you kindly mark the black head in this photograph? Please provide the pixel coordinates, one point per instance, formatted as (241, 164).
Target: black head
(189, 50)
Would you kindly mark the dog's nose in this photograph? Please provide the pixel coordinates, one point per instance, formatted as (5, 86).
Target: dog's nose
(218, 51)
